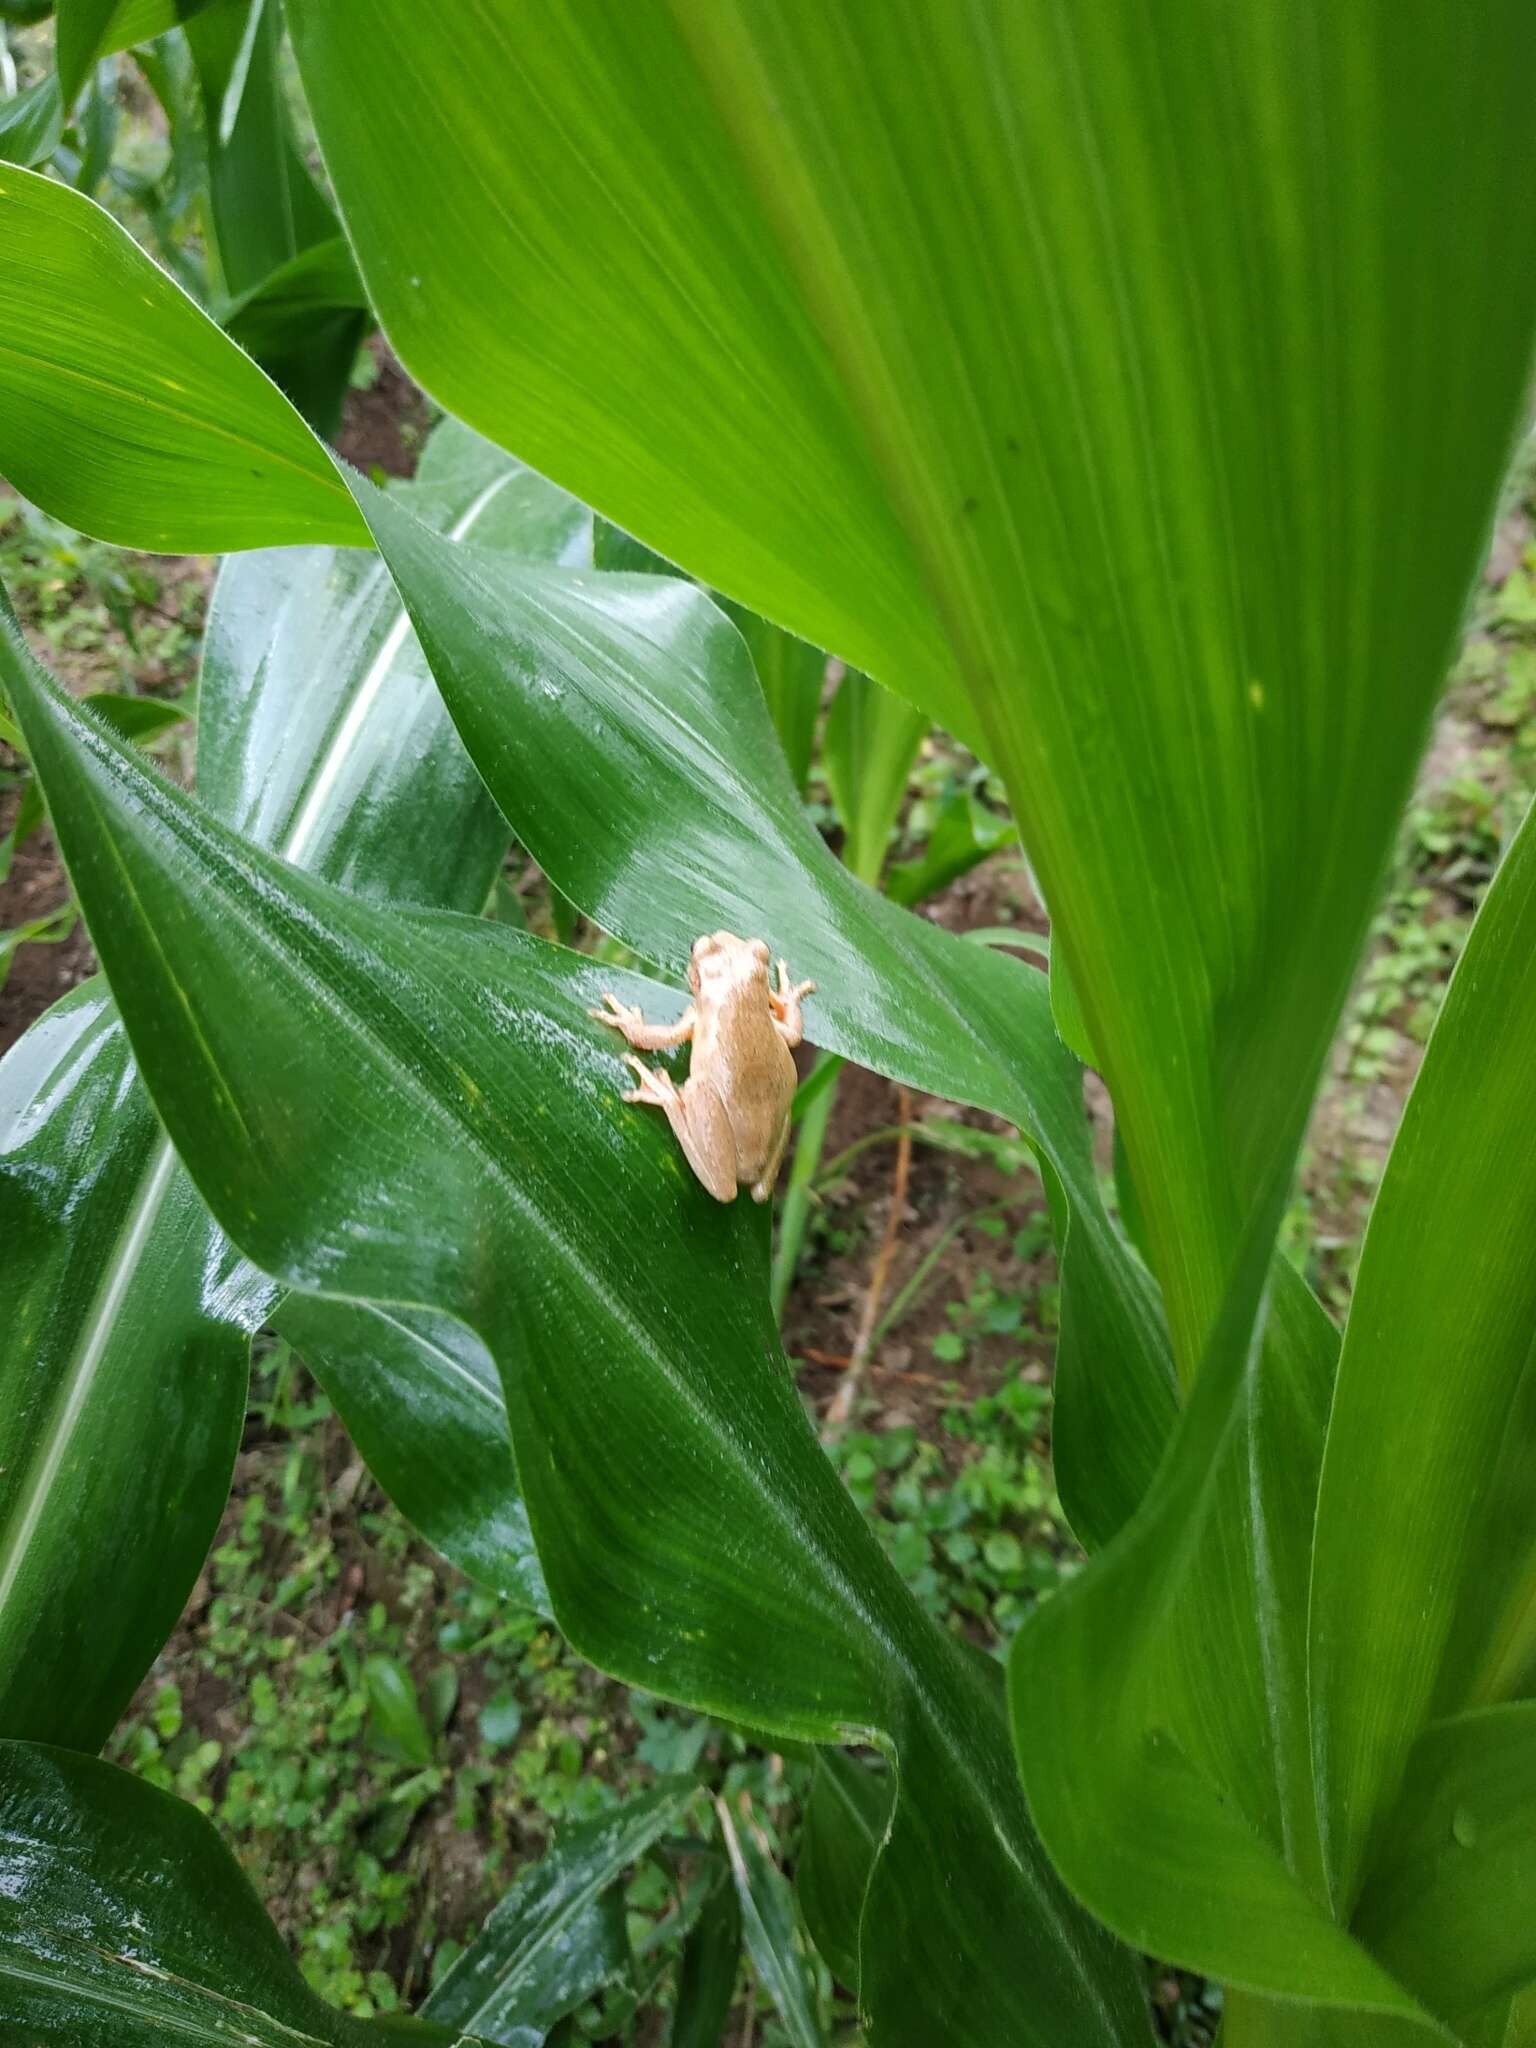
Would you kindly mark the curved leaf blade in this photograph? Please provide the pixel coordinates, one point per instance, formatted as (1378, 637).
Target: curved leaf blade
(30, 124)
(768, 1926)
(677, 742)
(124, 1363)
(409, 1106)
(207, 454)
(125, 1922)
(1088, 334)
(845, 1822)
(539, 1954)
(420, 1398)
(111, 1261)
(1435, 1367)
(602, 73)
(1447, 1902)
(586, 810)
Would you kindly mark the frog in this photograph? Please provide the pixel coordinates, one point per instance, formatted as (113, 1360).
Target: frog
(731, 1115)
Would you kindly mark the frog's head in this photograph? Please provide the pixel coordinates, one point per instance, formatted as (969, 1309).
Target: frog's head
(720, 961)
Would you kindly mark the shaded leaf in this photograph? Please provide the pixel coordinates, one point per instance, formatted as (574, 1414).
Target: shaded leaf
(420, 1398)
(31, 123)
(845, 1822)
(124, 1361)
(558, 1934)
(768, 1926)
(1434, 1612)
(870, 744)
(125, 1923)
(706, 1983)
(405, 1105)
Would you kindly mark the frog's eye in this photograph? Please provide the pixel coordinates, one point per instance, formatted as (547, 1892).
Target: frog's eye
(760, 950)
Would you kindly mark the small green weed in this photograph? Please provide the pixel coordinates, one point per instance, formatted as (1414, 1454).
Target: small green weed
(971, 1521)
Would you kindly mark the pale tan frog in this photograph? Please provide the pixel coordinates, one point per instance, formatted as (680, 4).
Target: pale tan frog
(731, 1115)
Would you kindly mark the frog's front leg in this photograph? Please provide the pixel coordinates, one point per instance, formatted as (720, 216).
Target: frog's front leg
(699, 1124)
(784, 1001)
(628, 1019)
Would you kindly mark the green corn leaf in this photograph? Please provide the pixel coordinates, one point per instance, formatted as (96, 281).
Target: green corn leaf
(206, 453)
(405, 1105)
(126, 1923)
(1436, 1612)
(420, 1398)
(791, 673)
(92, 29)
(124, 1350)
(1288, 1788)
(658, 684)
(768, 1926)
(706, 1980)
(588, 756)
(31, 123)
(1049, 365)
(845, 1823)
(278, 266)
(1448, 1900)
(558, 1935)
(123, 1360)
(264, 207)
(1185, 1811)
(870, 745)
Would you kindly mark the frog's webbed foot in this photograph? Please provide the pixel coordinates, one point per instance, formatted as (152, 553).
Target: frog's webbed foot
(784, 1001)
(656, 1085)
(629, 1020)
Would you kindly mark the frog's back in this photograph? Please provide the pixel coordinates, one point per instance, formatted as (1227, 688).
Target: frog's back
(755, 1074)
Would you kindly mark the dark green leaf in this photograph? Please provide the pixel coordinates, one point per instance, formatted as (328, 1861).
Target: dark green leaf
(304, 323)
(772, 1938)
(264, 206)
(31, 123)
(845, 1823)
(558, 1934)
(405, 1105)
(421, 1400)
(141, 719)
(126, 1923)
(123, 1356)
(395, 1710)
(124, 1363)
(706, 1984)
(674, 730)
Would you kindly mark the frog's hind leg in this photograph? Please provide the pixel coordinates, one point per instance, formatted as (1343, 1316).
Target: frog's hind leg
(762, 1187)
(699, 1124)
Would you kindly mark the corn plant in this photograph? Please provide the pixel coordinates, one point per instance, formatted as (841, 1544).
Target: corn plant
(236, 214)
(1127, 389)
